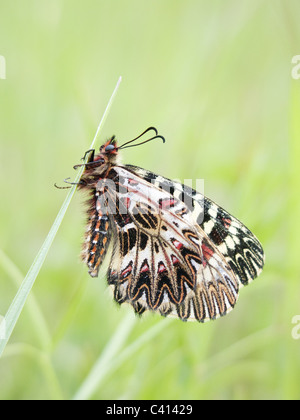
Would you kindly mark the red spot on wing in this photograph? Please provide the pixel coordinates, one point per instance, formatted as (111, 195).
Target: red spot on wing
(145, 268)
(132, 182)
(207, 253)
(226, 222)
(161, 268)
(175, 260)
(177, 244)
(166, 203)
(126, 202)
(126, 272)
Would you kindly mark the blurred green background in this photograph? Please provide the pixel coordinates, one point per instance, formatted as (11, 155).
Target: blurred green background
(215, 78)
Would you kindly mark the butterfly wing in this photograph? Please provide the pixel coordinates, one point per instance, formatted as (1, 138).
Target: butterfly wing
(162, 259)
(239, 246)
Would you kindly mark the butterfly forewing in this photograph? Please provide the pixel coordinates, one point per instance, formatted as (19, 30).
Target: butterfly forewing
(241, 249)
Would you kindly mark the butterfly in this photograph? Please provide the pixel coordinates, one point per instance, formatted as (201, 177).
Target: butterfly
(173, 250)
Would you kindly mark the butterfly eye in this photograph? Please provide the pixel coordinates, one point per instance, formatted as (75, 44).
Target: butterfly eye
(109, 148)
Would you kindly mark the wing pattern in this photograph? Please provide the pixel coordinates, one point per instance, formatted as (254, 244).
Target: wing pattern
(174, 251)
(162, 260)
(241, 249)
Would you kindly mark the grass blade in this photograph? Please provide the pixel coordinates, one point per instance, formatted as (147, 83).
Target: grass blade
(36, 315)
(102, 365)
(19, 300)
(111, 358)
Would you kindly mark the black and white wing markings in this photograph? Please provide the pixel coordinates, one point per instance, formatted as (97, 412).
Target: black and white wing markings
(240, 248)
(162, 260)
(174, 251)
(237, 243)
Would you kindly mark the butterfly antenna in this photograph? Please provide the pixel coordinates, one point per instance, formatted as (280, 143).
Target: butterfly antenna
(125, 145)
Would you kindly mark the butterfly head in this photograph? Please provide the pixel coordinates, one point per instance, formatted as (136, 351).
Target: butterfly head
(108, 153)
(109, 148)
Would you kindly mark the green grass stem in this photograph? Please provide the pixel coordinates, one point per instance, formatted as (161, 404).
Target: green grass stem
(20, 298)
